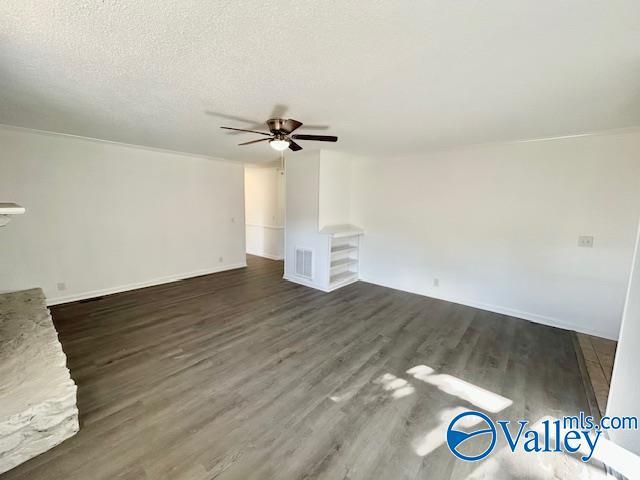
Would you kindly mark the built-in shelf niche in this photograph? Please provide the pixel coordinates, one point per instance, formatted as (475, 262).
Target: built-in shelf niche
(344, 258)
(318, 218)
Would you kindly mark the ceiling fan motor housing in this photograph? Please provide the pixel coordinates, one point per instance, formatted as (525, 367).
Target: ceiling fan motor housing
(282, 126)
(275, 125)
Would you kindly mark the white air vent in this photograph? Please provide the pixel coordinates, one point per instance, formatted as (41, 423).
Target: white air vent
(304, 263)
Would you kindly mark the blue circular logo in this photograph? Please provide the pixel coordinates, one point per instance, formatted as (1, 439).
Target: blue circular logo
(482, 425)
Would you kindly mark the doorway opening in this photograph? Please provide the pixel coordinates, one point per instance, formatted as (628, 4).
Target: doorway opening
(264, 191)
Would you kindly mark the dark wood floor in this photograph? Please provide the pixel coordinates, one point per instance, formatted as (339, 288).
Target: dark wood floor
(242, 375)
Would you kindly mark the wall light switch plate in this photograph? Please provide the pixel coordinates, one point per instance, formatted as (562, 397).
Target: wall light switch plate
(585, 241)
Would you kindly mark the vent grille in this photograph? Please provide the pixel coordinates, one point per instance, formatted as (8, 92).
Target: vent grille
(304, 263)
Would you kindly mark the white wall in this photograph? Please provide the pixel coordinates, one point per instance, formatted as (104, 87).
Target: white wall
(302, 204)
(264, 206)
(334, 195)
(624, 394)
(498, 226)
(104, 217)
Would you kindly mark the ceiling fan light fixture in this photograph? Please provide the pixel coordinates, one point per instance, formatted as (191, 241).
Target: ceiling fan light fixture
(279, 144)
(280, 137)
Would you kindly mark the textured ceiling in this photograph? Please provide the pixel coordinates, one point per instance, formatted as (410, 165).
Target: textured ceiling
(386, 76)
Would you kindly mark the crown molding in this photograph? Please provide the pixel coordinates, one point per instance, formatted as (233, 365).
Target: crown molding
(35, 131)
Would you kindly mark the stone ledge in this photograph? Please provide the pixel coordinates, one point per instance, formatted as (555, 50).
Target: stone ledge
(37, 395)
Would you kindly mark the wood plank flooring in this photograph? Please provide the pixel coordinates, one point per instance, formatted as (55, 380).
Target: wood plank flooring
(242, 375)
(599, 354)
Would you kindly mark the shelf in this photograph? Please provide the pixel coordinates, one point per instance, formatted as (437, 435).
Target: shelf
(339, 231)
(343, 277)
(11, 209)
(343, 249)
(343, 262)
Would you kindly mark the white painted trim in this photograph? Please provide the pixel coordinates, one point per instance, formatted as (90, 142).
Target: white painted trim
(470, 146)
(266, 255)
(113, 142)
(307, 283)
(613, 131)
(625, 318)
(272, 227)
(344, 283)
(147, 283)
(532, 317)
(304, 282)
(594, 133)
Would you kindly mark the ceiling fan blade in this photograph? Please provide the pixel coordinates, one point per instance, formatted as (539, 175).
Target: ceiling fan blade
(255, 141)
(289, 125)
(294, 146)
(243, 130)
(235, 118)
(315, 127)
(250, 124)
(317, 138)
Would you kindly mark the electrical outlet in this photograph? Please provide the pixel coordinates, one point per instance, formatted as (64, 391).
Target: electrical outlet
(221, 259)
(585, 241)
(233, 219)
(436, 282)
(61, 286)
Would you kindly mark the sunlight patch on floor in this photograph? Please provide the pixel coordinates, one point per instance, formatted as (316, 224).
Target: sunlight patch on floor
(504, 464)
(616, 457)
(398, 387)
(481, 398)
(477, 396)
(436, 437)
(343, 396)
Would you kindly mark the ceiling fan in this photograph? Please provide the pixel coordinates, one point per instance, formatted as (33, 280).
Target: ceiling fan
(280, 137)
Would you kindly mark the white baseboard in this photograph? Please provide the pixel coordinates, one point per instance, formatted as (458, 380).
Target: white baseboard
(533, 317)
(304, 282)
(266, 255)
(134, 286)
(341, 284)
